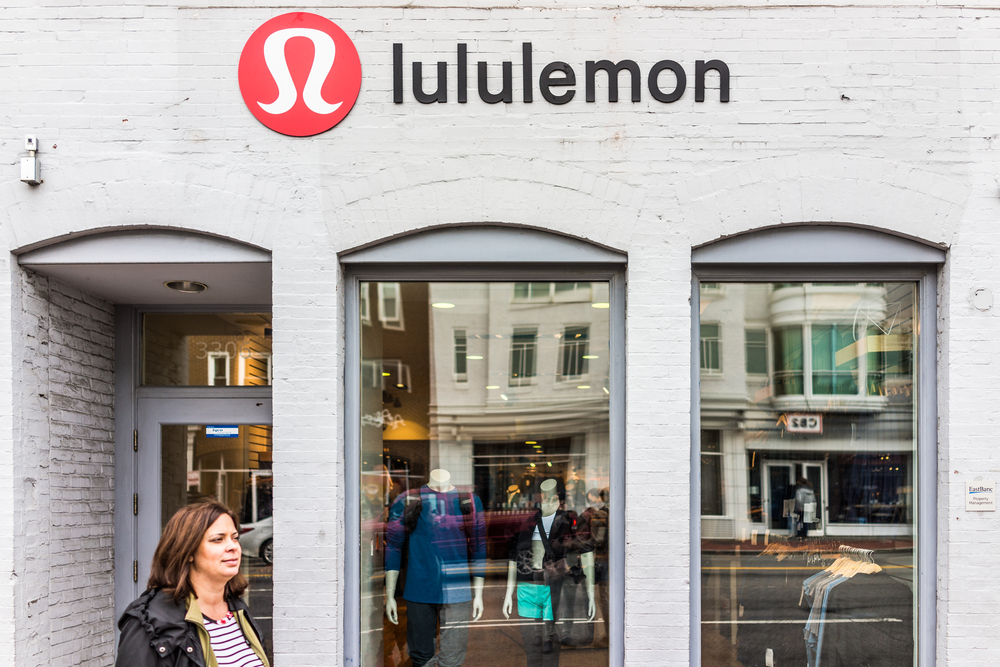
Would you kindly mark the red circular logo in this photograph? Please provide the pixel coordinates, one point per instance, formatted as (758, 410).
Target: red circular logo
(299, 74)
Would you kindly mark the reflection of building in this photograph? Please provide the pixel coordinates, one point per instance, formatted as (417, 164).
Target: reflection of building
(807, 380)
(502, 385)
(491, 381)
(207, 349)
(396, 381)
(520, 384)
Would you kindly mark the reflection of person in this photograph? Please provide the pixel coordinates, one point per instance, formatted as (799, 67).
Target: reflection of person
(439, 527)
(191, 611)
(594, 532)
(537, 568)
(805, 507)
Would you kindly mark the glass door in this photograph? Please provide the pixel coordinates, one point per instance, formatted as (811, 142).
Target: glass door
(779, 493)
(219, 448)
(815, 474)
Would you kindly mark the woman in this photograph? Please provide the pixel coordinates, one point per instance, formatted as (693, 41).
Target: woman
(191, 613)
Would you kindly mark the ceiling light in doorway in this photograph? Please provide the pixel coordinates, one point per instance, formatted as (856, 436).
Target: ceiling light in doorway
(442, 305)
(186, 286)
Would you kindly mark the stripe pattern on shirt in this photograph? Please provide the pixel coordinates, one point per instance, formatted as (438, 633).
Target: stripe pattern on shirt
(230, 647)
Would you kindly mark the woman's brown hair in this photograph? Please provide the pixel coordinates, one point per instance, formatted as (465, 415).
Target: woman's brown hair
(171, 569)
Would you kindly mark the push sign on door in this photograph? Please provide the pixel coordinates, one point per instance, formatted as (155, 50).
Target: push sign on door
(222, 431)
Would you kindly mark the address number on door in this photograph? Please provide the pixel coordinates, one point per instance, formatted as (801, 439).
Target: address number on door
(804, 423)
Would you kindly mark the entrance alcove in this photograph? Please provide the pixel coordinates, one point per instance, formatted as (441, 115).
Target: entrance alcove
(79, 303)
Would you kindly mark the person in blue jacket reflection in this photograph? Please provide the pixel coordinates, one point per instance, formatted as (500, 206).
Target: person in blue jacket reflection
(443, 532)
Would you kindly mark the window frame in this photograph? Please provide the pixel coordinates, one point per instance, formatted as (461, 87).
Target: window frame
(482, 246)
(212, 357)
(572, 347)
(766, 330)
(460, 348)
(527, 353)
(394, 323)
(702, 339)
(829, 254)
(242, 366)
(720, 455)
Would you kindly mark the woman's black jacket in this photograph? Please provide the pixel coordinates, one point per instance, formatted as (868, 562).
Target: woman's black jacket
(156, 633)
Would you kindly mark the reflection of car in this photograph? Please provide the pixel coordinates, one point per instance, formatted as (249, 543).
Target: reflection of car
(257, 529)
(257, 539)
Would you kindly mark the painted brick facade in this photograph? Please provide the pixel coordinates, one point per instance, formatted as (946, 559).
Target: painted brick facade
(883, 116)
(64, 461)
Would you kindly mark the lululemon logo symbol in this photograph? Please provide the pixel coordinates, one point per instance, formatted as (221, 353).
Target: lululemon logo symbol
(299, 74)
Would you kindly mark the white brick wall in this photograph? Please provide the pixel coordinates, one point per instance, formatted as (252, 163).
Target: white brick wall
(63, 470)
(880, 116)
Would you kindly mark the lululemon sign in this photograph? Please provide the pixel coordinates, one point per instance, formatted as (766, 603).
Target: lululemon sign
(299, 74)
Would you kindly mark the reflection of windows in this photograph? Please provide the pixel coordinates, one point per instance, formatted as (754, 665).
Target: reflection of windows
(218, 369)
(829, 377)
(396, 375)
(711, 473)
(871, 488)
(532, 290)
(461, 351)
(840, 365)
(255, 369)
(371, 374)
(788, 361)
(551, 291)
(863, 463)
(366, 315)
(390, 305)
(563, 288)
(756, 351)
(573, 351)
(522, 355)
(711, 348)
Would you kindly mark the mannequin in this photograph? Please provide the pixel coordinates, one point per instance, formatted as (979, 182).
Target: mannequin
(513, 496)
(536, 571)
(439, 527)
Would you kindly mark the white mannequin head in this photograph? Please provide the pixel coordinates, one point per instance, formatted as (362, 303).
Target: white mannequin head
(550, 497)
(439, 480)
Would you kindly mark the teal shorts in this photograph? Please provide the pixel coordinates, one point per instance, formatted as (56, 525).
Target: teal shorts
(534, 601)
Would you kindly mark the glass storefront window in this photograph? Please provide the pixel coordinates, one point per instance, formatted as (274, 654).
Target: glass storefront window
(485, 473)
(230, 463)
(206, 349)
(808, 483)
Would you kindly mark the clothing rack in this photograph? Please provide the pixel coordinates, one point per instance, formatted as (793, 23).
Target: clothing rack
(866, 555)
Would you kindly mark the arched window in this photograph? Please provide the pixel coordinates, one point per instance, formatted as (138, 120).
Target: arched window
(484, 379)
(814, 436)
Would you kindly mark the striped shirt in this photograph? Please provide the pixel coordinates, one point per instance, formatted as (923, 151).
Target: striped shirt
(230, 647)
